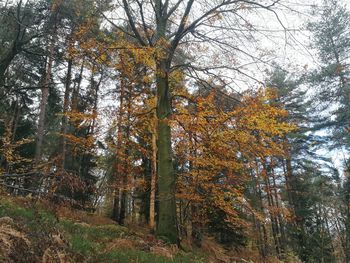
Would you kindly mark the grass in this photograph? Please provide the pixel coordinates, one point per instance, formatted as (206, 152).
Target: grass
(144, 257)
(33, 218)
(14, 211)
(104, 232)
(86, 240)
(83, 246)
(90, 240)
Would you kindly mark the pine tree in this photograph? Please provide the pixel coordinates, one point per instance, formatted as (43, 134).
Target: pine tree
(331, 32)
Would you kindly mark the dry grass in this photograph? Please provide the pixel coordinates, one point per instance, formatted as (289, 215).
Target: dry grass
(82, 216)
(14, 245)
(65, 235)
(61, 210)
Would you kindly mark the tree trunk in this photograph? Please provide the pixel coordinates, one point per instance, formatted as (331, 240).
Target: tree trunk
(45, 90)
(76, 89)
(274, 223)
(6, 61)
(117, 165)
(116, 205)
(125, 165)
(43, 104)
(258, 191)
(166, 227)
(260, 227)
(16, 117)
(153, 176)
(281, 236)
(64, 125)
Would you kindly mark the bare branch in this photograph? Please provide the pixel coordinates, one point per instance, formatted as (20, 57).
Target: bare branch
(132, 23)
(174, 8)
(144, 24)
(182, 25)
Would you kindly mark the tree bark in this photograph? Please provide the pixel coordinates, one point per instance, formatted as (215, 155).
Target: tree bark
(117, 164)
(45, 89)
(125, 165)
(167, 227)
(43, 104)
(64, 125)
(76, 88)
(153, 176)
(6, 61)
(281, 236)
(264, 242)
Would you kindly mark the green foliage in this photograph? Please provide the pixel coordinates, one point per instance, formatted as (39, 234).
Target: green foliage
(15, 211)
(87, 240)
(90, 241)
(96, 233)
(303, 196)
(81, 245)
(31, 219)
(224, 232)
(313, 196)
(331, 31)
(144, 257)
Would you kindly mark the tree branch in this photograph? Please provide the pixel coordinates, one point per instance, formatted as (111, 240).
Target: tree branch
(132, 23)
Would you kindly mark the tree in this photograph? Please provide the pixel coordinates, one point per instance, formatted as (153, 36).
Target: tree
(20, 21)
(46, 78)
(165, 26)
(331, 32)
(218, 141)
(20, 62)
(342, 212)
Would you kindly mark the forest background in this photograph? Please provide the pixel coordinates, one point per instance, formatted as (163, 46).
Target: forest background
(225, 118)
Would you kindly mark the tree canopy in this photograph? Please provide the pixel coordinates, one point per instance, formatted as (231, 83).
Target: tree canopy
(184, 117)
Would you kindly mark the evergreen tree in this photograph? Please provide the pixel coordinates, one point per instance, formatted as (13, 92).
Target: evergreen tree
(331, 32)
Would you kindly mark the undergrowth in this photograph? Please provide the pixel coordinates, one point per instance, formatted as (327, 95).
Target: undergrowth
(89, 242)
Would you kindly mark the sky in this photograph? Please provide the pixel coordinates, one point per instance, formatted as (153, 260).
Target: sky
(282, 38)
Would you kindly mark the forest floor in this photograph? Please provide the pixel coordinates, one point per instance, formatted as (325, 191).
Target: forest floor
(40, 232)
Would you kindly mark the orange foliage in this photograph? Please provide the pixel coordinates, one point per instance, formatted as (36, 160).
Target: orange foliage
(215, 147)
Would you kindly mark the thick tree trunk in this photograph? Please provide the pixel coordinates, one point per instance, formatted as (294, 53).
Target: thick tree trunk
(153, 177)
(166, 228)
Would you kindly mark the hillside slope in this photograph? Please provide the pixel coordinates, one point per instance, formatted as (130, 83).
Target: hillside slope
(39, 232)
